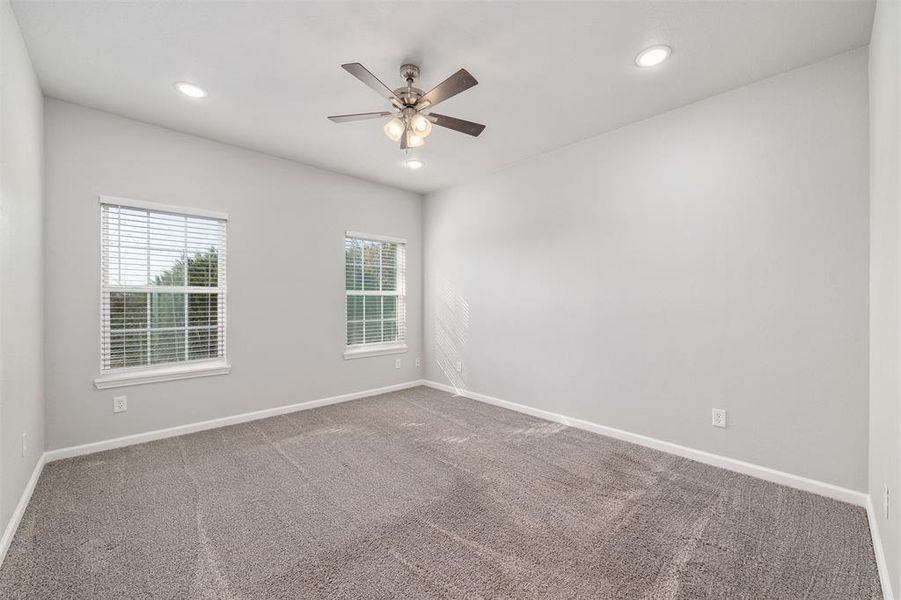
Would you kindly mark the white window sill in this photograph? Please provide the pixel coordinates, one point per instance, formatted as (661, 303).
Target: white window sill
(163, 373)
(373, 350)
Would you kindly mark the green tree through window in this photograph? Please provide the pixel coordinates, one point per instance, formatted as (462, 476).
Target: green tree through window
(174, 326)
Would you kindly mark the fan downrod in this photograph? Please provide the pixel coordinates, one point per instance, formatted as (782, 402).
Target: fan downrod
(409, 94)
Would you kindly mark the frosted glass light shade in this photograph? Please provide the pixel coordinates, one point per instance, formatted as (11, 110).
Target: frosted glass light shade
(394, 129)
(421, 126)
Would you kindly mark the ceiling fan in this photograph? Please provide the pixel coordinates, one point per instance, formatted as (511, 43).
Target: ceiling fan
(412, 122)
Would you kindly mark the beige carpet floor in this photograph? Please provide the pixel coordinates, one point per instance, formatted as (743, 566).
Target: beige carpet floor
(418, 494)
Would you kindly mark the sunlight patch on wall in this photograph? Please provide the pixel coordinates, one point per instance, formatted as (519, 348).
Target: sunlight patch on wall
(451, 324)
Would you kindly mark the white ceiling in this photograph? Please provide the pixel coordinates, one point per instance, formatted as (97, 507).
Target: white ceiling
(549, 73)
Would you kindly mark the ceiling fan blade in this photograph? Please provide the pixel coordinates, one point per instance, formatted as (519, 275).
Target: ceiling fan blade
(450, 87)
(359, 116)
(467, 127)
(363, 74)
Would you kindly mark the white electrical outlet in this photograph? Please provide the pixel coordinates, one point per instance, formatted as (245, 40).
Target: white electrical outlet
(719, 418)
(120, 404)
(397, 363)
(24, 444)
(418, 362)
(459, 366)
(885, 500)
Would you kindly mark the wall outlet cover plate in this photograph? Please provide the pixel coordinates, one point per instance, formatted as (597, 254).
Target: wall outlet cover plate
(719, 418)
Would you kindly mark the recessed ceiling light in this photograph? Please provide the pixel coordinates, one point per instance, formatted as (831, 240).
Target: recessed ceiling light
(653, 56)
(413, 163)
(191, 90)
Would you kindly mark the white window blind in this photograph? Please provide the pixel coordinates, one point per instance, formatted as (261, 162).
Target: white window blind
(163, 292)
(375, 284)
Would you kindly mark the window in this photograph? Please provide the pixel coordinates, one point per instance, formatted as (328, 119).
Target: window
(375, 292)
(162, 292)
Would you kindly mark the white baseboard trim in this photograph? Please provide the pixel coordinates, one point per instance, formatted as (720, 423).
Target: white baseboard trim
(159, 434)
(16, 518)
(795, 481)
(881, 565)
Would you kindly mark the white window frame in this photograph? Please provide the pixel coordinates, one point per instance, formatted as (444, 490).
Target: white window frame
(377, 349)
(118, 377)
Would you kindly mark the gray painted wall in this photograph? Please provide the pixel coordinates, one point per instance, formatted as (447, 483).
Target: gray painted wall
(21, 316)
(713, 256)
(885, 276)
(285, 272)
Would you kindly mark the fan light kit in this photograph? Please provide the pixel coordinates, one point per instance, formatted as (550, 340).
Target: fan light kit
(191, 90)
(412, 121)
(653, 56)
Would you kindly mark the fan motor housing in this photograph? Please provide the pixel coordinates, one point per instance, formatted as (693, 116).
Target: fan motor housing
(408, 95)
